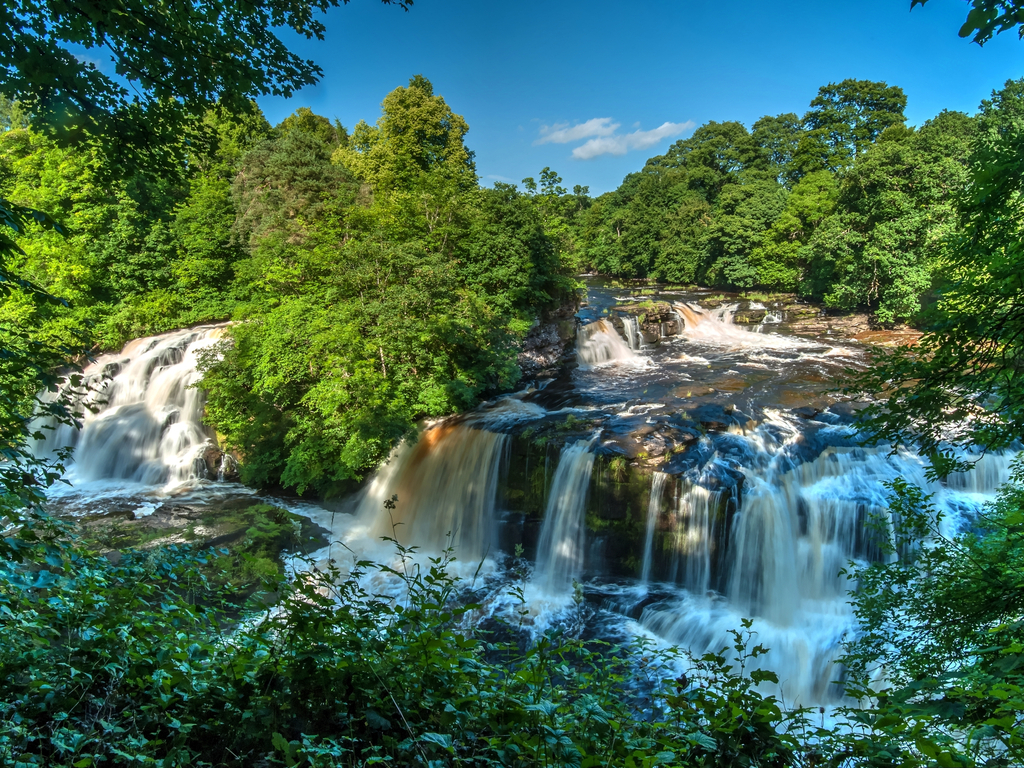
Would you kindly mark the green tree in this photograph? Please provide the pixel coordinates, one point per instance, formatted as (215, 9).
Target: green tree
(782, 258)
(713, 156)
(967, 368)
(779, 137)
(845, 119)
(988, 18)
(743, 215)
(368, 303)
(418, 140)
(172, 63)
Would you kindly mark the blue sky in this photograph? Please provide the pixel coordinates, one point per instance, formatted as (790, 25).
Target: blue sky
(592, 89)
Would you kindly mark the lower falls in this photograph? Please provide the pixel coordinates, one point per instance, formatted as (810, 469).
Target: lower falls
(684, 482)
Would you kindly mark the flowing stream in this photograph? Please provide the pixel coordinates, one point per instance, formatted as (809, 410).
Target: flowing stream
(685, 480)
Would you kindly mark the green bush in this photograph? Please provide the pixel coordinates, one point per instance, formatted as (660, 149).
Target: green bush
(138, 663)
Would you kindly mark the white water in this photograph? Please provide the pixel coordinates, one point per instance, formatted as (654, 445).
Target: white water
(798, 525)
(716, 326)
(561, 549)
(599, 343)
(632, 328)
(446, 483)
(141, 415)
(653, 513)
(693, 537)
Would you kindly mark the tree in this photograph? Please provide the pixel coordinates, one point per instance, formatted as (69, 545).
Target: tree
(845, 119)
(988, 18)
(713, 156)
(967, 370)
(783, 257)
(743, 214)
(880, 246)
(417, 141)
(172, 61)
(779, 138)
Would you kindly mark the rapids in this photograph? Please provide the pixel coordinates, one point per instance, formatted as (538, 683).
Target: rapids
(685, 480)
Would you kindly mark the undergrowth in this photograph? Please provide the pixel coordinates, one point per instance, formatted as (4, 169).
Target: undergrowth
(145, 662)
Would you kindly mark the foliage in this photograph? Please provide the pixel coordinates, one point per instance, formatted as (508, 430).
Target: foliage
(29, 385)
(138, 663)
(171, 63)
(372, 293)
(988, 18)
(965, 371)
(844, 120)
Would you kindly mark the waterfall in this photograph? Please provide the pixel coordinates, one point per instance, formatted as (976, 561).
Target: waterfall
(759, 526)
(653, 513)
(680, 325)
(141, 414)
(717, 326)
(990, 471)
(598, 343)
(563, 533)
(632, 328)
(694, 537)
(447, 485)
(798, 525)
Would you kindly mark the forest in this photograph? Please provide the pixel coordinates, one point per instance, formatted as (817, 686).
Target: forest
(370, 283)
(283, 228)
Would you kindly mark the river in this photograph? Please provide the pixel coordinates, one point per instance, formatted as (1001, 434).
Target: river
(686, 477)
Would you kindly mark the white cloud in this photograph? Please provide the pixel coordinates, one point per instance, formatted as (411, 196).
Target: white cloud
(563, 133)
(610, 144)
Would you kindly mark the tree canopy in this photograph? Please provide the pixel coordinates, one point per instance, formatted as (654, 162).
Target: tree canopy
(846, 206)
(988, 18)
(172, 61)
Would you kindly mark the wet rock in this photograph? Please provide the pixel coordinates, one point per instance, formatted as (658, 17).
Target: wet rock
(749, 316)
(185, 512)
(678, 439)
(806, 412)
(718, 418)
(654, 446)
(656, 319)
(545, 348)
(212, 458)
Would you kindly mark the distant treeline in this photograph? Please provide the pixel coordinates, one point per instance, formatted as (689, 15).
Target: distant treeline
(846, 205)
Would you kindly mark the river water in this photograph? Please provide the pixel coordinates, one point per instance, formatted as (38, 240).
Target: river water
(685, 480)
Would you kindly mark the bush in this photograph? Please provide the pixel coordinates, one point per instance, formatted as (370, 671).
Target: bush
(140, 663)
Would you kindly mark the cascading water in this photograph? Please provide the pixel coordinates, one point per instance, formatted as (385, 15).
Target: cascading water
(446, 483)
(693, 537)
(716, 326)
(142, 416)
(653, 513)
(747, 516)
(561, 549)
(598, 343)
(798, 525)
(632, 328)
